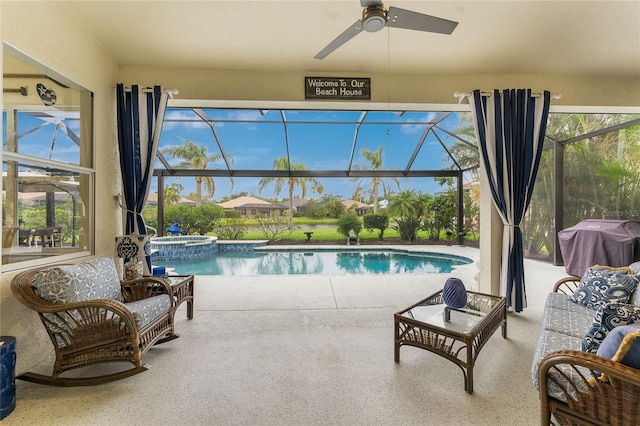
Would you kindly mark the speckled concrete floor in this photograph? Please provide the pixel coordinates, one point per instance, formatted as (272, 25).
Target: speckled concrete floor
(308, 350)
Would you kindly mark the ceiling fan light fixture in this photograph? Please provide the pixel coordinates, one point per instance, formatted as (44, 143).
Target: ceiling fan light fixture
(374, 18)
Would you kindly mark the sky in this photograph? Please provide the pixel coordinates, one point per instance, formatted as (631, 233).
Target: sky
(47, 135)
(321, 140)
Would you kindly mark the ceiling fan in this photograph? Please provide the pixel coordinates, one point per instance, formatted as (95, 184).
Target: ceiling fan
(375, 17)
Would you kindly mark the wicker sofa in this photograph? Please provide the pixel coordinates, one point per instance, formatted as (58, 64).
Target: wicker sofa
(92, 318)
(578, 366)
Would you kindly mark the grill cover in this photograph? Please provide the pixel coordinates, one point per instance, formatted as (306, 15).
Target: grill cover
(599, 242)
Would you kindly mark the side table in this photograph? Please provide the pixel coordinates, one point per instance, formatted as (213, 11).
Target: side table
(182, 286)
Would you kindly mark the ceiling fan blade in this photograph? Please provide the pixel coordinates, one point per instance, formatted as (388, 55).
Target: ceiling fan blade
(347, 35)
(407, 19)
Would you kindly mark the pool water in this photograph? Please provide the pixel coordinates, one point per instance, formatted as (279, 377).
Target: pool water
(250, 263)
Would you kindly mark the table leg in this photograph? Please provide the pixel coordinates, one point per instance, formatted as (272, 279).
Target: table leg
(190, 309)
(468, 385)
(396, 344)
(504, 324)
(191, 291)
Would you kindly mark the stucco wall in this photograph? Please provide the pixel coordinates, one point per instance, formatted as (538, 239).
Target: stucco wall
(44, 32)
(428, 89)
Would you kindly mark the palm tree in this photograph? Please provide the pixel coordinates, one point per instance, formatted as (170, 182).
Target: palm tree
(408, 203)
(464, 149)
(282, 163)
(172, 193)
(374, 160)
(195, 156)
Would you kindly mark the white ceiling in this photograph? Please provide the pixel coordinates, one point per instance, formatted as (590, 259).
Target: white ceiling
(493, 37)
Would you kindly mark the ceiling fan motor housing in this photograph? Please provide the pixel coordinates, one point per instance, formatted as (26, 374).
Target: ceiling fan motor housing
(374, 18)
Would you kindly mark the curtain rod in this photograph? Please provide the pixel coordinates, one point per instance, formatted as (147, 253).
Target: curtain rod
(23, 90)
(170, 92)
(462, 95)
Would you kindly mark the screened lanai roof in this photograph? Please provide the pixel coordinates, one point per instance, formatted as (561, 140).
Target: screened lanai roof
(317, 143)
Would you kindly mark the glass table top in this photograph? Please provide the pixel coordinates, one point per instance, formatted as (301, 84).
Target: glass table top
(175, 279)
(431, 311)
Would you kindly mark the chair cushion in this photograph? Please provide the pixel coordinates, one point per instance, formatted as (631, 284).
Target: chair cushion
(622, 344)
(147, 310)
(93, 279)
(600, 285)
(550, 341)
(606, 319)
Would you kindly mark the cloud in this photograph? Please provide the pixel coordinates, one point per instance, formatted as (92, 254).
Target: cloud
(171, 115)
(410, 129)
(244, 115)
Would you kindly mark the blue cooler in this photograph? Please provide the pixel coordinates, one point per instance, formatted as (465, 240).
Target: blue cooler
(7, 375)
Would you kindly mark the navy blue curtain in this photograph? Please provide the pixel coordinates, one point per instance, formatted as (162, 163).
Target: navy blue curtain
(140, 114)
(510, 126)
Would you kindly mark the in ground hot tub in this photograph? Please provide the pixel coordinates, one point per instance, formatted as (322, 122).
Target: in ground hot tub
(182, 247)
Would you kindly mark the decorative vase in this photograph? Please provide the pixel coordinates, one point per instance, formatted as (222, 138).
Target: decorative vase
(454, 294)
(133, 269)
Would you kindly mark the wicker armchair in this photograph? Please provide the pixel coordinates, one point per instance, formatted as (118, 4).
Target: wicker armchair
(96, 329)
(587, 389)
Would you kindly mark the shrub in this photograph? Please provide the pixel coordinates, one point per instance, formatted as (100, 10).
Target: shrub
(349, 222)
(230, 229)
(335, 208)
(230, 213)
(275, 226)
(318, 211)
(199, 220)
(408, 227)
(379, 221)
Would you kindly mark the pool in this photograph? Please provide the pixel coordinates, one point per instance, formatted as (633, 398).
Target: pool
(318, 262)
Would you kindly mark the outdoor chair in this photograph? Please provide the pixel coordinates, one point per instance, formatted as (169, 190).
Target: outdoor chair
(26, 236)
(91, 317)
(353, 237)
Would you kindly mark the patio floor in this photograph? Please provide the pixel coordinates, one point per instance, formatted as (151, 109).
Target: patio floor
(316, 350)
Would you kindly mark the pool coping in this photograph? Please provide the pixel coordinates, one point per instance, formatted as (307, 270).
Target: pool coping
(357, 248)
(469, 270)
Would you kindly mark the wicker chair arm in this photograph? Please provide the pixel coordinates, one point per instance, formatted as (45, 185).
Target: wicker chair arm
(567, 285)
(87, 308)
(597, 391)
(145, 287)
(589, 361)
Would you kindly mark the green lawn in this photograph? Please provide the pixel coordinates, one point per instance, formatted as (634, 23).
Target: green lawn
(305, 224)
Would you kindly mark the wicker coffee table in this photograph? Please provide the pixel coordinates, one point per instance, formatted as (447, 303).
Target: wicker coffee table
(458, 338)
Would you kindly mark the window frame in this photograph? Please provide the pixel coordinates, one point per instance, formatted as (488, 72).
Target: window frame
(83, 101)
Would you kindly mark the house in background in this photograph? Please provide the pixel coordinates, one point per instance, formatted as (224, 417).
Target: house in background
(152, 200)
(252, 206)
(360, 208)
(299, 205)
(39, 199)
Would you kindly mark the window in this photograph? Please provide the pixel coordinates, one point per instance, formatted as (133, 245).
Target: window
(47, 164)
